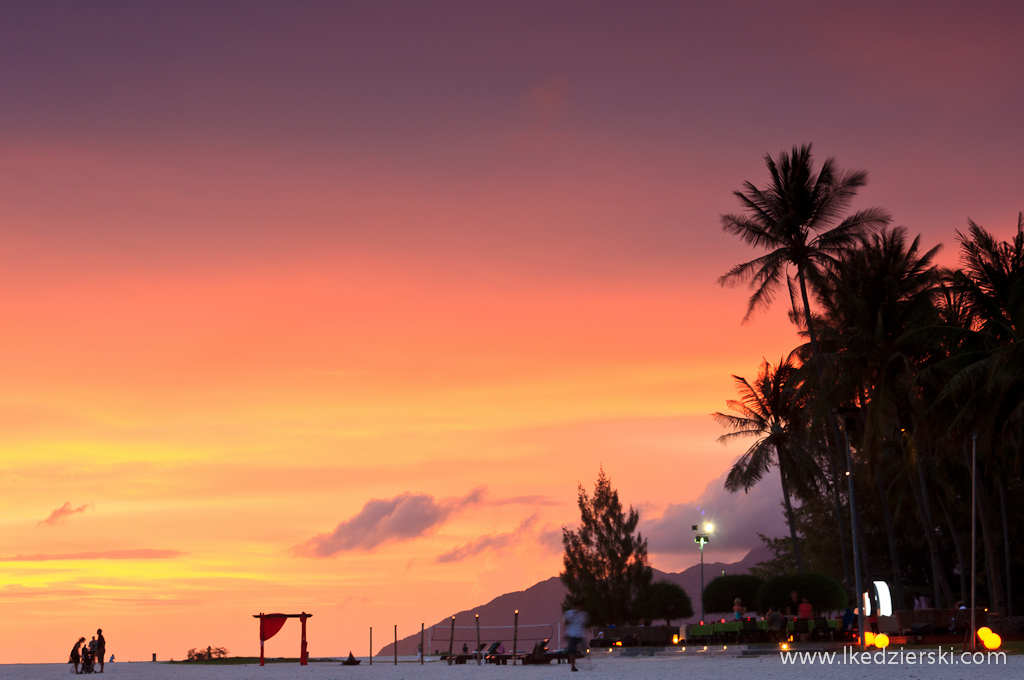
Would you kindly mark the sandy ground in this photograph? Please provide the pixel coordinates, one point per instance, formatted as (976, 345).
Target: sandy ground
(647, 668)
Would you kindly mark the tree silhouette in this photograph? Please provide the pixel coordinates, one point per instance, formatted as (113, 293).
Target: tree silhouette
(605, 561)
(769, 411)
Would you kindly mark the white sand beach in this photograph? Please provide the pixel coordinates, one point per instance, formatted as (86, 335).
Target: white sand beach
(643, 668)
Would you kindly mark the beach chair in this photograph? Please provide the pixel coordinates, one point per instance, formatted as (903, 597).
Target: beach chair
(463, 657)
(538, 655)
(491, 654)
(822, 631)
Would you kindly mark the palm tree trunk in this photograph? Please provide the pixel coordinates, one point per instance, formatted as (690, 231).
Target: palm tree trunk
(1006, 547)
(940, 585)
(958, 546)
(789, 518)
(995, 587)
(840, 528)
(894, 557)
(837, 432)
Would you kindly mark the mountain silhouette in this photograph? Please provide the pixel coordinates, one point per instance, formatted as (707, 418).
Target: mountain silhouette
(540, 610)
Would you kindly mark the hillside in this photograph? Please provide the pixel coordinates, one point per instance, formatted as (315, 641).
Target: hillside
(540, 609)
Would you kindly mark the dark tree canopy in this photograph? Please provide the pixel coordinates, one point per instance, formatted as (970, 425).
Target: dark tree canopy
(605, 560)
(664, 600)
(824, 593)
(721, 593)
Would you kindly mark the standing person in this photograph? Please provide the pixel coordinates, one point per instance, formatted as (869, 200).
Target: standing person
(805, 610)
(738, 610)
(575, 628)
(76, 656)
(101, 647)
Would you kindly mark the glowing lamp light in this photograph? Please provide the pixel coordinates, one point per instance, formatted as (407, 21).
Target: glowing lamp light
(884, 599)
(869, 637)
(618, 643)
(881, 641)
(989, 639)
(992, 641)
(709, 527)
(675, 639)
(785, 646)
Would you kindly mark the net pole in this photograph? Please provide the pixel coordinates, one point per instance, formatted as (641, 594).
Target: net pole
(478, 654)
(515, 636)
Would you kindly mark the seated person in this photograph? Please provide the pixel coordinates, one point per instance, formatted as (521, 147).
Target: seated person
(776, 624)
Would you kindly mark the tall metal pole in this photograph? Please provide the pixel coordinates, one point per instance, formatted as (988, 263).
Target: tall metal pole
(371, 645)
(855, 531)
(422, 649)
(974, 551)
(396, 644)
(702, 582)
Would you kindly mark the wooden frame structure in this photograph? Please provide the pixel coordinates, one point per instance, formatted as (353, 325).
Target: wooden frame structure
(270, 624)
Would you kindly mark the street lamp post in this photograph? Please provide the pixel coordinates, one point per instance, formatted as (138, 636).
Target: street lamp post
(702, 539)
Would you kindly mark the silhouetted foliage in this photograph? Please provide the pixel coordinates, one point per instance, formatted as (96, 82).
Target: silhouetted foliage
(664, 600)
(605, 561)
(721, 593)
(824, 593)
(208, 654)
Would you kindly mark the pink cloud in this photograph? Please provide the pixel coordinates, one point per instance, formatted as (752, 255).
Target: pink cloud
(61, 514)
(387, 520)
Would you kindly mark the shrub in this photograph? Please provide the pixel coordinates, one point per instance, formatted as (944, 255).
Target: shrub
(720, 594)
(823, 592)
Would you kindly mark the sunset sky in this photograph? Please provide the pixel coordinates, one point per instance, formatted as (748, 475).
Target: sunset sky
(330, 306)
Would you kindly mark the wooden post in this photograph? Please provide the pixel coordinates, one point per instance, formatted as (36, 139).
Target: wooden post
(371, 645)
(478, 652)
(261, 640)
(396, 644)
(451, 640)
(422, 650)
(515, 637)
(303, 655)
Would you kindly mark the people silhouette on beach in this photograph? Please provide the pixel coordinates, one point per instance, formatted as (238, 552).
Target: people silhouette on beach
(76, 655)
(101, 648)
(575, 629)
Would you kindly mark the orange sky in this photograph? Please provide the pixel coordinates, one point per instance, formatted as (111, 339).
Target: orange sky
(330, 308)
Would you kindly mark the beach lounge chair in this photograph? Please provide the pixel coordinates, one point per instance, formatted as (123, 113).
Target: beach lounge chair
(538, 655)
(466, 656)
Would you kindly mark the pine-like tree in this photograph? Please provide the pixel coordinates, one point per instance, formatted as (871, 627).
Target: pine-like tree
(606, 569)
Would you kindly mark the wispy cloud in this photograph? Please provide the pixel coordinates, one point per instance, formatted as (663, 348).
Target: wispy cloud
(61, 514)
(387, 520)
(486, 543)
(138, 554)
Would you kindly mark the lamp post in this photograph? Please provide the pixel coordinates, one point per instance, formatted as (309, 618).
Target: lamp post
(854, 527)
(702, 539)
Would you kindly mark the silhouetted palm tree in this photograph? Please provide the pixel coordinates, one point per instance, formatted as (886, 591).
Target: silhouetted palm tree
(882, 300)
(768, 410)
(797, 219)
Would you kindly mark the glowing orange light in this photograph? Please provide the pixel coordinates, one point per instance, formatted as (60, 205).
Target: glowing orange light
(992, 641)
(618, 643)
(785, 646)
(869, 638)
(881, 641)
